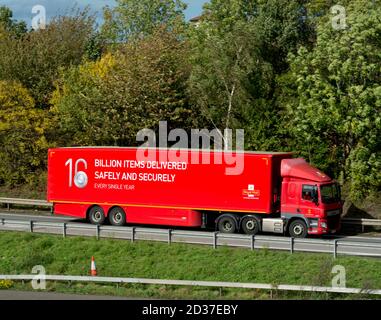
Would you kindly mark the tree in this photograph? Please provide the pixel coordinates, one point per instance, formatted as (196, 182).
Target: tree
(131, 19)
(337, 118)
(23, 144)
(17, 29)
(36, 57)
(238, 51)
(108, 101)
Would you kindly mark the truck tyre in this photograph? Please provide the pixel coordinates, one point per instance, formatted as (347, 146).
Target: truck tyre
(97, 215)
(250, 225)
(117, 217)
(298, 229)
(227, 225)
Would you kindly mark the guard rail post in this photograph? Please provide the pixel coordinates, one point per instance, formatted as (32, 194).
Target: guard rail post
(98, 231)
(335, 248)
(132, 234)
(292, 245)
(215, 240)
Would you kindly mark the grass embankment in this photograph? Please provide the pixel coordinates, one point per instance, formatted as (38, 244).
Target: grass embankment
(71, 256)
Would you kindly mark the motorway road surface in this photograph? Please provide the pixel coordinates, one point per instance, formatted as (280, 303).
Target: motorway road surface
(44, 216)
(39, 295)
(347, 245)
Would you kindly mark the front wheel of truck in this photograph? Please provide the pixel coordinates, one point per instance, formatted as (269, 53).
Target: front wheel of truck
(298, 229)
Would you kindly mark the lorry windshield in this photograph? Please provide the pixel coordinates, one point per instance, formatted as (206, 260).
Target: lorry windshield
(330, 193)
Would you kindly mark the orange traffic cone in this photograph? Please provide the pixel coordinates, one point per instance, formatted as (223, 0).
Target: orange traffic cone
(93, 267)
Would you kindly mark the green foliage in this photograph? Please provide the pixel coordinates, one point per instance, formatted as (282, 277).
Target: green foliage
(23, 145)
(16, 29)
(108, 101)
(35, 58)
(275, 68)
(337, 120)
(6, 284)
(237, 53)
(131, 19)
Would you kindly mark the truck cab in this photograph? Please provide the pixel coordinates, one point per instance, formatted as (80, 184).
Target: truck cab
(310, 200)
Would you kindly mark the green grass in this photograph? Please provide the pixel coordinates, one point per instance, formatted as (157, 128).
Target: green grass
(71, 256)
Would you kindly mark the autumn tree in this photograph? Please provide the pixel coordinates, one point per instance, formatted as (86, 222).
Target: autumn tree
(23, 145)
(35, 58)
(131, 19)
(107, 102)
(15, 28)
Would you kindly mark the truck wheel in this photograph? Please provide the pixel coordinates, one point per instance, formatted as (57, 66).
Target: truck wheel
(97, 215)
(227, 225)
(117, 216)
(298, 229)
(250, 225)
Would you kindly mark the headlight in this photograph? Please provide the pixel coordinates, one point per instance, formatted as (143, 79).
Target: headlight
(314, 224)
(323, 225)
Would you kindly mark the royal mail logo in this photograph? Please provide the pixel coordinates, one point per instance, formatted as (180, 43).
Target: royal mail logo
(251, 193)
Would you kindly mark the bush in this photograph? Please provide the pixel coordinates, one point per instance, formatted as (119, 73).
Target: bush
(23, 145)
(6, 284)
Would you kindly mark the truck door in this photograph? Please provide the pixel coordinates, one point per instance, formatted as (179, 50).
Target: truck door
(290, 198)
(307, 205)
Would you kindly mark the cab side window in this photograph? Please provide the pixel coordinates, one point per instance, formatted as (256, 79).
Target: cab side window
(307, 192)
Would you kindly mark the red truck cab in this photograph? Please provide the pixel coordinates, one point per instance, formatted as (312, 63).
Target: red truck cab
(312, 196)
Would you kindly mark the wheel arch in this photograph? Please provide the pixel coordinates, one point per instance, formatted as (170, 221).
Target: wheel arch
(288, 221)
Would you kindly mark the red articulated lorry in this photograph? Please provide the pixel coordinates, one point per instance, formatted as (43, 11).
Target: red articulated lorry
(267, 192)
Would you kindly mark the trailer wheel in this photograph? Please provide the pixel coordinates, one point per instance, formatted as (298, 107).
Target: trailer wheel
(250, 225)
(97, 215)
(298, 229)
(227, 225)
(117, 216)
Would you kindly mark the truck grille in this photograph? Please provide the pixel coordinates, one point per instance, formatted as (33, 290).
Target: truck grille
(333, 219)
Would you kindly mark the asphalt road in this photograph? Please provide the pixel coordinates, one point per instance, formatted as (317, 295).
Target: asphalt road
(39, 295)
(346, 245)
(37, 216)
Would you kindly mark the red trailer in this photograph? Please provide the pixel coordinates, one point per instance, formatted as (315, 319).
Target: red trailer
(269, 192)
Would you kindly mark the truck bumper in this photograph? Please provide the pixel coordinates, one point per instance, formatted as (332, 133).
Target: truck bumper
(321, 231)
